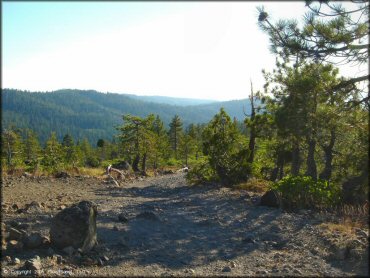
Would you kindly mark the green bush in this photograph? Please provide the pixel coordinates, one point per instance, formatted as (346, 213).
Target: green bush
(303, 192)
(201, 173)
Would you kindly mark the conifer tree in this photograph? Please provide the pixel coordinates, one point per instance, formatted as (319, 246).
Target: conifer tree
(175, 133)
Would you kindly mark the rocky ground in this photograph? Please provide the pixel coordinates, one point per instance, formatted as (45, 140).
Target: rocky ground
(161, 226)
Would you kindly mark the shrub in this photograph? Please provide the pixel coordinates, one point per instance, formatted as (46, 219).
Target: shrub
(303, 192)
(201, 173)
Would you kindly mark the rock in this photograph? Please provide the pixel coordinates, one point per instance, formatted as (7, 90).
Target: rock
(297, 271)
(16, 207)
(45, 240)
(34, 240)
(8, 259)
(62, 207)
(361, 233)
(62, 175)
(58, 259)
(104, 258)
(69, 250)
(15, 234)
(226, 269)
(147, 215)
(33, 207)
(122, 218)
(16, 261)
(262, 272)
(75, 226)
(115, 228)
(271, 198)
(190, 271)
(14, 244)
(233, 264)
(34, 265)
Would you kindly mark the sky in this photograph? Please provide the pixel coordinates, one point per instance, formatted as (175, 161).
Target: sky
(206, 50)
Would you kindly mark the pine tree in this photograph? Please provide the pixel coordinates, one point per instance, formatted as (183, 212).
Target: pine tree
(175, 133)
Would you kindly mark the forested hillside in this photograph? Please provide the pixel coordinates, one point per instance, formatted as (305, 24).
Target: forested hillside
(94, 115)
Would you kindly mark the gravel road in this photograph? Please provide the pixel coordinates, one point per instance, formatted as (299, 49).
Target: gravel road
(161, 226)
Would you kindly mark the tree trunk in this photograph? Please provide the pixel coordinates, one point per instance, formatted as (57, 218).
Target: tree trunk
(252, 137)
(296, 159)
(311, 163)
(328, 152)
(135, 163)
(143, 164)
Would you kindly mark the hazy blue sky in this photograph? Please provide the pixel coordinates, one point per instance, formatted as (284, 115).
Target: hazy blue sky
(185, 49)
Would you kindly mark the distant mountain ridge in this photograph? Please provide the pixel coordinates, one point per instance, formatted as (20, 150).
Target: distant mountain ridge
(91, 114)
(173, 100)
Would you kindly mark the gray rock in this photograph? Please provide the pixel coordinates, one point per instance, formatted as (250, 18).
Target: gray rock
(271, 198)
(34, 240)
(33, 207)
(226, 269)
(16, 261)
(122, 218)
(75, 226)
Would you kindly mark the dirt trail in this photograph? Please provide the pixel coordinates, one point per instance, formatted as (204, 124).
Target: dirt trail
(177, 230)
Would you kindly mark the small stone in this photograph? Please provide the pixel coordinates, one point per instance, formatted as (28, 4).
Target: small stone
(34, 265)
(16, 261)
(62, 207)
(233, 264)
(262, 272)
(190, 270)
(122, 218)
(8, 259)
(361, 233)
(58, 258)
(105, 258)
(69, 250)
(297, 271)
(14, 244)
(100, 262)
(226, 269)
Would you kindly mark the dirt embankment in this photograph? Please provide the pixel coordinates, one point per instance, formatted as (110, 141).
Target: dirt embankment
(163, 227)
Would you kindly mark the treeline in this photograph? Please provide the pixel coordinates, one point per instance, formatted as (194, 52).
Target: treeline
(143, 142)
(94, 115)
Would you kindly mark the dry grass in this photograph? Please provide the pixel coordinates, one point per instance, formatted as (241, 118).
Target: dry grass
(348, 218)
(255, 185)
(94, 172)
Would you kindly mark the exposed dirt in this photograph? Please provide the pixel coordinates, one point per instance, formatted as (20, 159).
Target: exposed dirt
(186, 231)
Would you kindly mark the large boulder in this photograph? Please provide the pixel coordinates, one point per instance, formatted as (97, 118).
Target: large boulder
(271, 198)
(75, 226)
